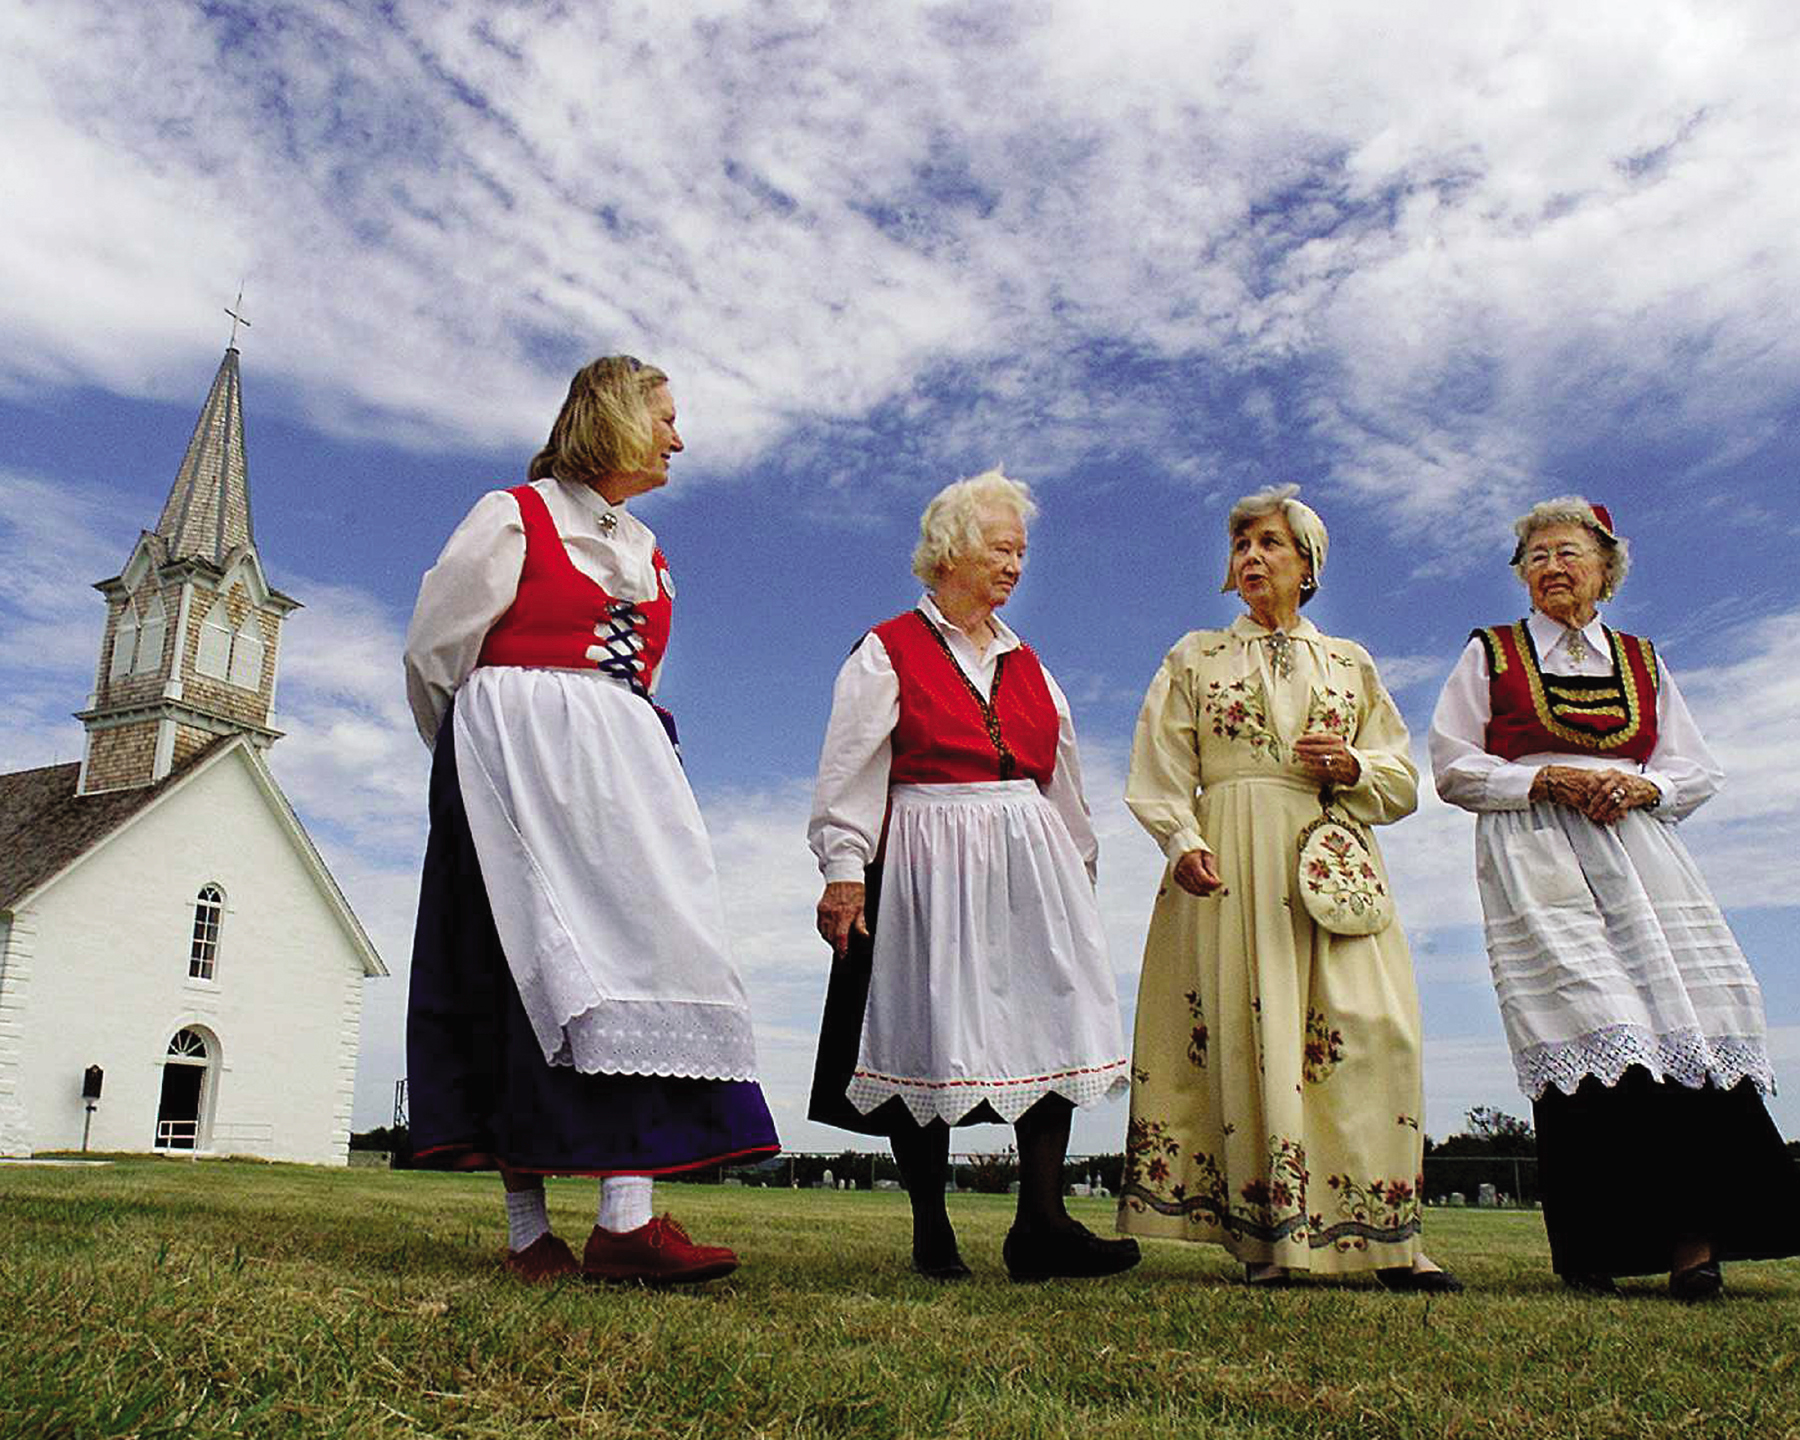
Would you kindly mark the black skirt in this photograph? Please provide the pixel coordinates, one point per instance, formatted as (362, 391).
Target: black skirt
(479, 1092)
(1629, 1171)
(840, 1039)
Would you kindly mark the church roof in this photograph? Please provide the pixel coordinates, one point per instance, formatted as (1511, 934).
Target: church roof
(207, 513)
(45, 825)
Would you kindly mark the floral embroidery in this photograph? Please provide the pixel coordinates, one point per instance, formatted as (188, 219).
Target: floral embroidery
(1269, 1207)
(1385, 1211)
(1197, 1039)
(1148, 1150)
(1240, 711)
(1324, 1048)
(1339, 869)
(1331, 710)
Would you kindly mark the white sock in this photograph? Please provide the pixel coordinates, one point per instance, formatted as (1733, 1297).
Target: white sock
(527, 1221)
(624, 1202)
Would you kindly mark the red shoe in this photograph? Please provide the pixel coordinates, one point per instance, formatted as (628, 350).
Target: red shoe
(656, 1253)
(543, 1260)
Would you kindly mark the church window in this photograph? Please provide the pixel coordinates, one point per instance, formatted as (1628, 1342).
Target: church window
(214, 657)
(203, 956)
(125, 638)
(150, 638)
(188, 1045)
(247, 654)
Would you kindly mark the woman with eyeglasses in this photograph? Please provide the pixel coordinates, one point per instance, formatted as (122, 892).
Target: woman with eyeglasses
(1635, 1024)
(574, 1008)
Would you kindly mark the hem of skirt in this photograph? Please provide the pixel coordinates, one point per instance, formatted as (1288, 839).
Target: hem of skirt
(1316, 1256)
(461, 1156)
(1687, 1060)
(1009, 1097)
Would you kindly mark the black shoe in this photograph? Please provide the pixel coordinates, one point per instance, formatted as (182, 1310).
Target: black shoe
(1404, 1280)
(1591, 1284)
(943, 1265)
(1704, 1281)
(1074, 1252)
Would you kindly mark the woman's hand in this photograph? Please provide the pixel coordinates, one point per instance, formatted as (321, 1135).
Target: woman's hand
(841, 914)
(1615, 792)
(1197, 872)
(1326, 756)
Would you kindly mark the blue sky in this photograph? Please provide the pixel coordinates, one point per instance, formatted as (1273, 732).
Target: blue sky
(1431, 265)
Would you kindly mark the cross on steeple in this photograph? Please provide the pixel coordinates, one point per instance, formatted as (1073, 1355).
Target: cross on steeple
(236, 319)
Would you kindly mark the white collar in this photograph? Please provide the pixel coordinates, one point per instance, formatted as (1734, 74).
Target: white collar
(1004, 638)
(597, 505)
(1247, 627)
(1546, 633)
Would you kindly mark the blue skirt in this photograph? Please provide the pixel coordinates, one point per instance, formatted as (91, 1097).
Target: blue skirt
(480, 1095)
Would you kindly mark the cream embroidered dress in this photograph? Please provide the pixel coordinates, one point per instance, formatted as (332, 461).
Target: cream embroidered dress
(1275, 1099)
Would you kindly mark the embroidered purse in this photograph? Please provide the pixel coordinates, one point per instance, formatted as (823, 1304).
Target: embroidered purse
(1342, 883)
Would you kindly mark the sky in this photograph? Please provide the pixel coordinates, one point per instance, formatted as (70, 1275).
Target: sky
(1432, 263)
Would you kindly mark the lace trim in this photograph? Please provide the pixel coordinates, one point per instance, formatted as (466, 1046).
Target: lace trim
(673, 1039)
(1686, 1057)
(950, 1100)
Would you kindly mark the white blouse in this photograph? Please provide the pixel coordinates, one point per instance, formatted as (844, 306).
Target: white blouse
(1680, 766)
(476, 579)
(851, 794)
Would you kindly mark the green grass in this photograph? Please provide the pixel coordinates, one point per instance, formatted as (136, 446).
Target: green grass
(163, 1298)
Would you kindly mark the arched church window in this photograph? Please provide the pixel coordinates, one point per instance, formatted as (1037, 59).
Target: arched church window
(188, 1045)
(247, 654)
(125, 639)
(214, 655)
(150, 638)
(203, 956)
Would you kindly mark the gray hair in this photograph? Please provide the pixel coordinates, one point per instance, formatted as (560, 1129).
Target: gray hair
(1573, 510)
(950, 528)
(1308, 529)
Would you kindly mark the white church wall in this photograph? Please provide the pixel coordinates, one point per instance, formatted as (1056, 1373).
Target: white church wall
(111, 984)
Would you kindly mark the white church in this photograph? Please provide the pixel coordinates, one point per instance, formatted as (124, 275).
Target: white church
(169, 936)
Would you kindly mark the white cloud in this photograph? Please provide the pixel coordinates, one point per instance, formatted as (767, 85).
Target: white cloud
(1459, 226)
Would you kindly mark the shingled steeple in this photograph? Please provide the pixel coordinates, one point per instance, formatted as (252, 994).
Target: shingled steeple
(207, 513)
(193, 628)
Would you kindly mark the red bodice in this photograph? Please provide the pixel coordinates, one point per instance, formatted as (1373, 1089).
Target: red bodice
(948, 733)
(1533, 713)
(562, 620)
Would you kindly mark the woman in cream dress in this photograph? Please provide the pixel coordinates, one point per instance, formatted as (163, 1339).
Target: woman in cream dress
(1275, 1099)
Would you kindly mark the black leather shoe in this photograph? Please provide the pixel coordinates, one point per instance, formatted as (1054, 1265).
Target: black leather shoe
(1698, 1282)
(1404, 1280)
(1072, 1253)
(944, 1265)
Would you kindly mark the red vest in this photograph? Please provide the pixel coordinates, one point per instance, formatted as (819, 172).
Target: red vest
(949, 733)
(562, 620)
(1535, 714)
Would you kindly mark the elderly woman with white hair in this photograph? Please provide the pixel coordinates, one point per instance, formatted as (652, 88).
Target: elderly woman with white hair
(1635, 1024)
(1275, 1096)
(970, 982)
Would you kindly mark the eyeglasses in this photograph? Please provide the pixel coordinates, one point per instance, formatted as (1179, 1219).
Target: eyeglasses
(1571, 554)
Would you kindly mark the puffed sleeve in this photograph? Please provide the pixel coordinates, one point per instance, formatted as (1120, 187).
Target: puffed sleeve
(472, 585)
(1165, 760)
(1464, 772)
(1681, 765)
(1387, 786)
(1064, 792)
(850, 794)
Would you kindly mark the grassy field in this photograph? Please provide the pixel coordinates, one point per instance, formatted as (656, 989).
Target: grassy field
(162, 1298)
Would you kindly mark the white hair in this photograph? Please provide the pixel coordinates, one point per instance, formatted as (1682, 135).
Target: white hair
(950, 528)
(1573, 510)
(1310, 535)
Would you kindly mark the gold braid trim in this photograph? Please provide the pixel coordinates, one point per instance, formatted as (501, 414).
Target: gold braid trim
(1547, 712)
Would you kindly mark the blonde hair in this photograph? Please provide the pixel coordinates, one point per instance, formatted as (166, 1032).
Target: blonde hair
(604, 426)
(950, 528)
(1573, 510)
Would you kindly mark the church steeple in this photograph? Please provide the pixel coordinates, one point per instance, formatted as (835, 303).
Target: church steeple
(193, 627)
(208, 510)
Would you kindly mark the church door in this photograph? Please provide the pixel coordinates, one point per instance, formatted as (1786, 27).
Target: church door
(183, 1086)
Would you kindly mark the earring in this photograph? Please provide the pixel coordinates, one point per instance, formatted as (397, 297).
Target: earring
(1309, 585)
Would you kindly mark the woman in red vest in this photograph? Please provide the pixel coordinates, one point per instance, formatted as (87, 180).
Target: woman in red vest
(574, 1008)
(971, 983)
(1635, 1024)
